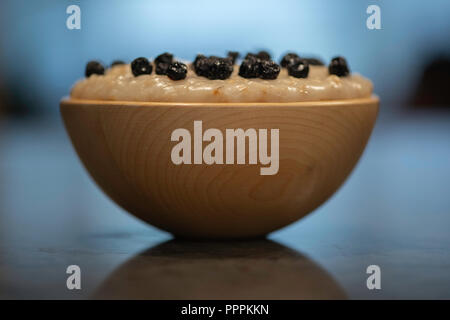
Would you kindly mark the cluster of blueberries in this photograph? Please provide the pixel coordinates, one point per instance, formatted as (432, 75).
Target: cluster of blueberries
(254, 65)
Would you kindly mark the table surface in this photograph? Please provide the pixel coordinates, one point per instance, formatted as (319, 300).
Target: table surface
(393, 211)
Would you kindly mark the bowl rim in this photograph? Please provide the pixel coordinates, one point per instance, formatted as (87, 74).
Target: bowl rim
(338, 102)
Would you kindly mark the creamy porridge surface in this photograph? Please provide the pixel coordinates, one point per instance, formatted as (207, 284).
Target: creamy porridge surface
(119, 84)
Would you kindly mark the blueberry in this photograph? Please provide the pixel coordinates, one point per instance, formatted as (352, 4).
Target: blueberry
(251, 56)
(162, 62)
(94, 67)
(229, 60)
(233, 55)
(250, 67)
(141, 66)
(213, 67)
(117, 63)
(164, 58)
(263, 55)
(268, 69)
(314, 61)
(177, 71)
(161, 68)
(198, 58)
(220, 68)
(338, 66)
(288, 59)
(202, 65)
(299, 69)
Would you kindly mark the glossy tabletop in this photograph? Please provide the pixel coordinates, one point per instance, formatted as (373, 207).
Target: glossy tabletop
(393, 212)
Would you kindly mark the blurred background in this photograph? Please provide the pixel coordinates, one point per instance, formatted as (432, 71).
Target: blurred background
(393, 211)
(40, 58)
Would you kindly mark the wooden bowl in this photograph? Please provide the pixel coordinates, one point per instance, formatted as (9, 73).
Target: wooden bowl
(127, 147)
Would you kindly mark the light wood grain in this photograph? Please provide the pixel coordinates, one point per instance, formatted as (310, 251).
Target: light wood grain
(126, 148)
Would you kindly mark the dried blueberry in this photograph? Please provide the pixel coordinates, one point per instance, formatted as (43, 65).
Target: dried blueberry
(164, 58)
(94, 67)
(213, 67)
(162, 62)
(338, 66)
(202, 65)
(314, 61)
(263, 55)
(249, 67)
(117, 63)
(268, 69)
(220, 68)
(177, 71)
(141, 66)
(233, 55)
(229, 60)
(299, 69)
(251, 56)
(161, 68)
(288, 59)
(198, 58)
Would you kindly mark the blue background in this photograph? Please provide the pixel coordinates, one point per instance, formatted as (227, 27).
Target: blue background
(40, 58)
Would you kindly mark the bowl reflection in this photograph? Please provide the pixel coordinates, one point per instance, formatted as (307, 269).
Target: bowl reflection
(259, 269)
